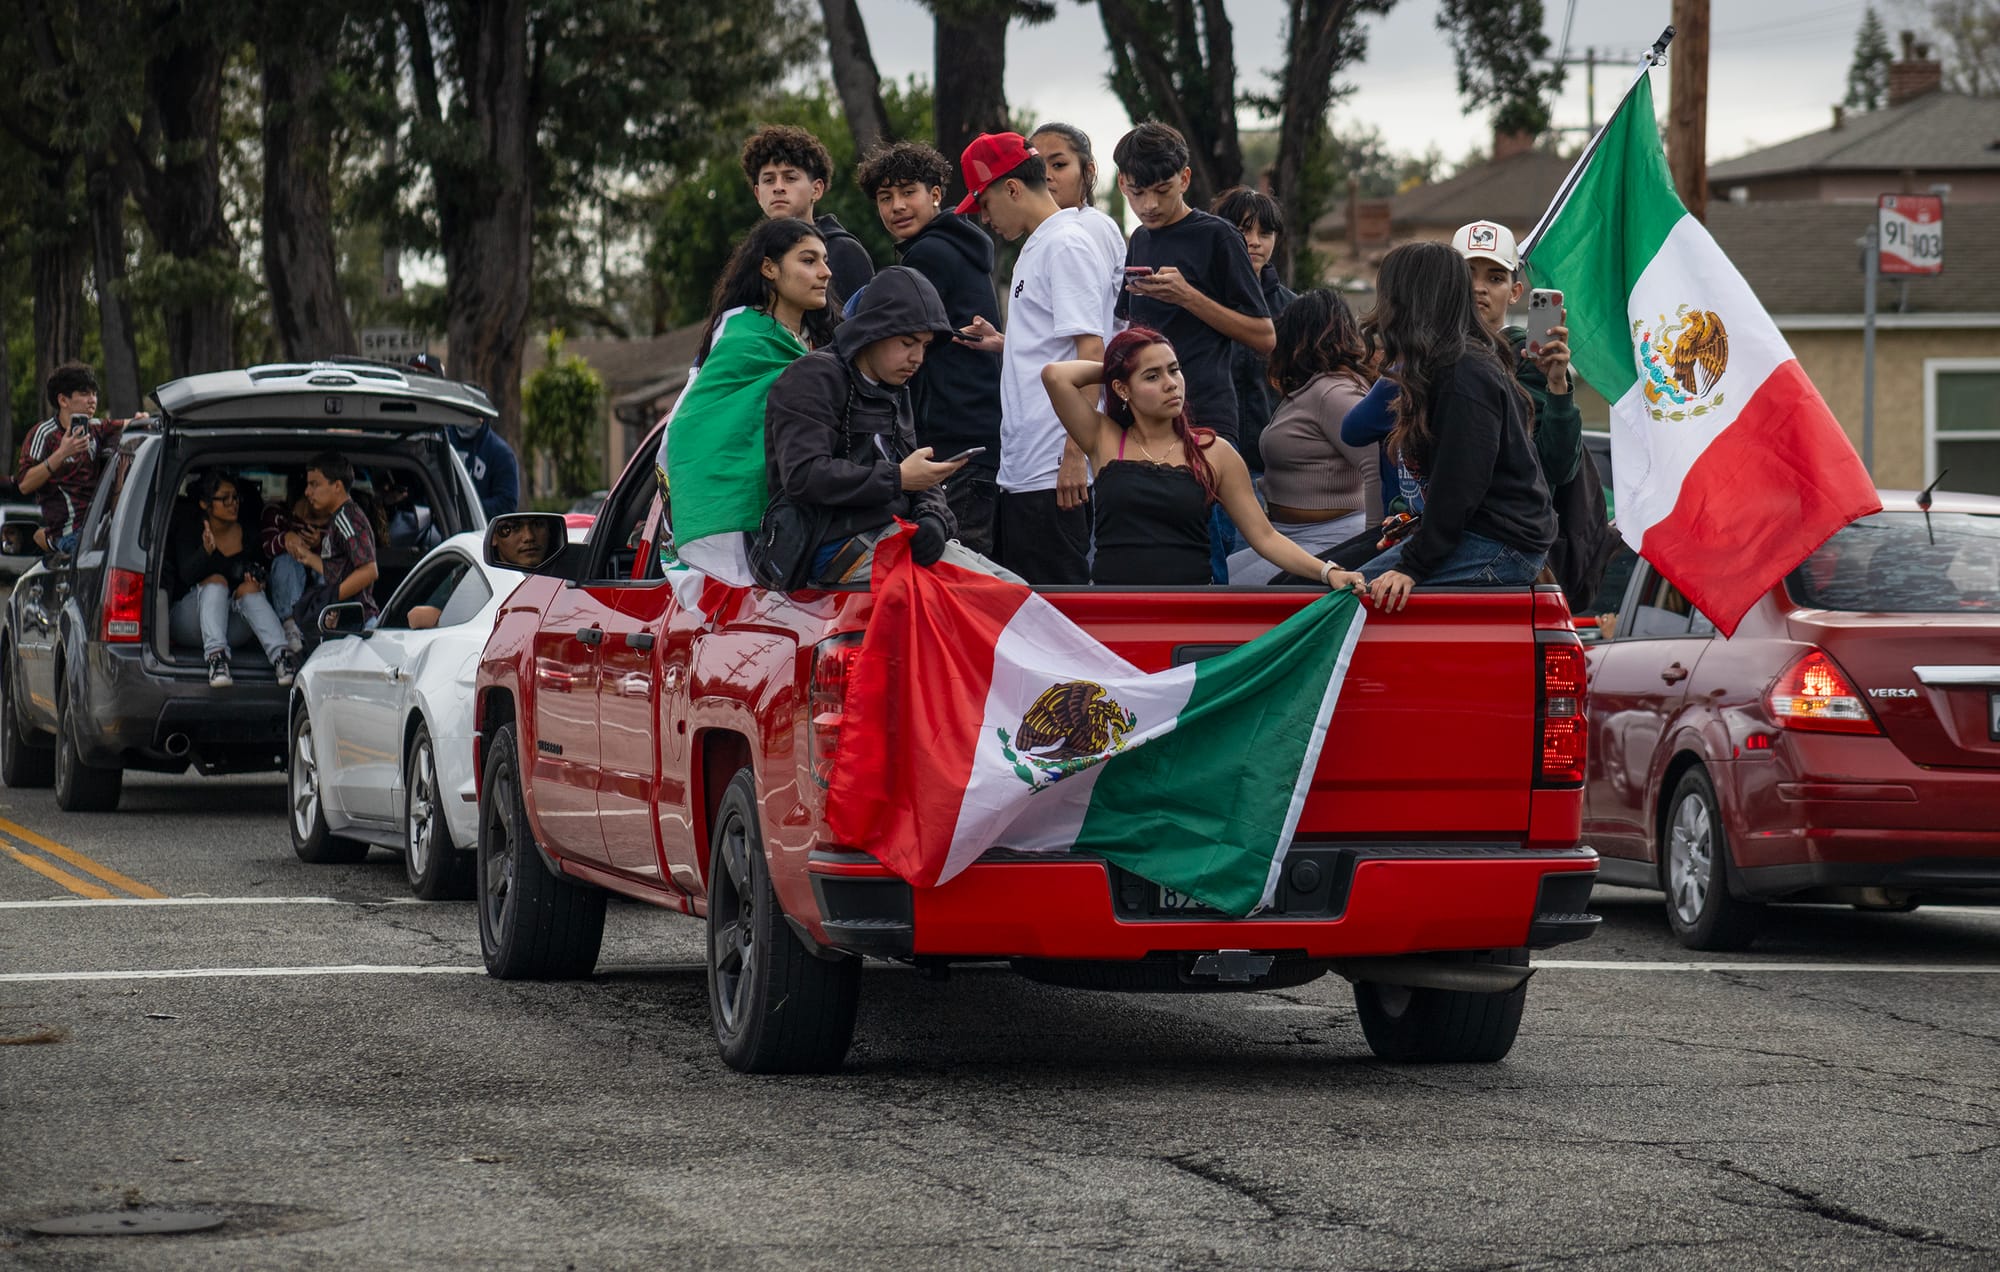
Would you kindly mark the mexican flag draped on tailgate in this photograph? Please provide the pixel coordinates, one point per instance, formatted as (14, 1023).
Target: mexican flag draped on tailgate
(1729, 469)
(978, 716)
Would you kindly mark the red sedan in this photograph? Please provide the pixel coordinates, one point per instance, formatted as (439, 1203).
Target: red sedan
(1843, 746)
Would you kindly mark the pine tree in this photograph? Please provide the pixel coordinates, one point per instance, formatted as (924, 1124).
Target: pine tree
(1868, 77)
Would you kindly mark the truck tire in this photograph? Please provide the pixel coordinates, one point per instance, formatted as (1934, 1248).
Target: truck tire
(80, 787)
(23, 764)
(1443, 1026)
(311, 841)
(1694, 863)
(777, 1007)
(532, 924)
(437, 870)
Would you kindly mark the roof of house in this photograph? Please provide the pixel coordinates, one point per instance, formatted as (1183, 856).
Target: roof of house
(626, 364)
(1803, 257)
(1514, 191)
(1939, 130)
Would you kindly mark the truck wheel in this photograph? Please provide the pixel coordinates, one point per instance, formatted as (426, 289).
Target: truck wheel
(437, 870)
(1443, 1026)
(311, 840)
(1700, 908)
(22, 763)
(532, 924)
(80, 787)
(777, 1007)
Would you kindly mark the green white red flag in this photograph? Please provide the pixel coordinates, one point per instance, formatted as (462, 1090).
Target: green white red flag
(977, 716)
(1728, 467)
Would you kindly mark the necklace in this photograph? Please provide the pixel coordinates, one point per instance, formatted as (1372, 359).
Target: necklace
(1147, 451)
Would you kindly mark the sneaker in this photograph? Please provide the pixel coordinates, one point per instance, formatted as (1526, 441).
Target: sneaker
(218, 672)
(288, 669)
(295, 640)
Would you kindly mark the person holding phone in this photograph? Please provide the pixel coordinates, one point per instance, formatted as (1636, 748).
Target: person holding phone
(1543, 370)
(840, 435)
(63, 456)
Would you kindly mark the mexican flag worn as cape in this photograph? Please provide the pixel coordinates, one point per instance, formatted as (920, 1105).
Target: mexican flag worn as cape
(977, 716)
(1729, 469)
(715, 437)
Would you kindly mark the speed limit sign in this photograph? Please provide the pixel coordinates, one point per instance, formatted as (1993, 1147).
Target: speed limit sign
(1910, 228)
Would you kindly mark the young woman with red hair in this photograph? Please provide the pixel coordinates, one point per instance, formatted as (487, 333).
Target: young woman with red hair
(1158, 475)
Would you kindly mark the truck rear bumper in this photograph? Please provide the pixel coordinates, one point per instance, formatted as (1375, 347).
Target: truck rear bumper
(1392, 900)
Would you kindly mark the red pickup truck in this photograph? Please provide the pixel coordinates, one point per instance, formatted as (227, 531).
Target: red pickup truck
(673, 743)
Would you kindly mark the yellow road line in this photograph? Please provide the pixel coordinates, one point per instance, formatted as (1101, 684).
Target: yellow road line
(63, 877)
(77, 859)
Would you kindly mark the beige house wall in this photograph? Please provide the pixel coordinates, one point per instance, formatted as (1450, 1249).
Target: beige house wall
(1832, 360)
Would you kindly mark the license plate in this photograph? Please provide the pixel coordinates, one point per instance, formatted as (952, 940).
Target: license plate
(1172, 902)
(1993, 716)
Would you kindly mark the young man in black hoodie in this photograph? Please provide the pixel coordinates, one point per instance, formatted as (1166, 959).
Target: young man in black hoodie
(957, 394)
(840, 434)
(789, 172)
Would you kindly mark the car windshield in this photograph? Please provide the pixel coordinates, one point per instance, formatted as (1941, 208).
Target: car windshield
(1889, 563)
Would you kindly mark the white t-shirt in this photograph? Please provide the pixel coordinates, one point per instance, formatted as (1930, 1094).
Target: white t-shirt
(1063, 288)
(1110, 239)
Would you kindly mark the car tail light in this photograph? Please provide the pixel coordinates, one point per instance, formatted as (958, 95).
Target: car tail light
(1813, 694)
(1561, 737)
(124, 595)
(833, 667)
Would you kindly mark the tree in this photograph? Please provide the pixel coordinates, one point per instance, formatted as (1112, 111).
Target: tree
(1868, 77)
(1175, 61)
(969, 70)
(296, 54)
(854, 75)
(1497, 45)
(565, 408)
(1968, 33)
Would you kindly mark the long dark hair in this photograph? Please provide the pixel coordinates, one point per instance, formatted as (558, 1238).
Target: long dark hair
(1119, 356)
(1425, 323)
(743, 284)
(1317, 334)
(1079, 141)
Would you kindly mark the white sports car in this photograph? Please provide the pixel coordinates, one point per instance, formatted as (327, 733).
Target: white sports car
(381, 748)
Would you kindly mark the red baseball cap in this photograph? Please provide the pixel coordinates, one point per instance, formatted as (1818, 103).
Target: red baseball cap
(990, 157)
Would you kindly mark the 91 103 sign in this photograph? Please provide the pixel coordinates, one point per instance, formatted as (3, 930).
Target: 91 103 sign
(1910, 228)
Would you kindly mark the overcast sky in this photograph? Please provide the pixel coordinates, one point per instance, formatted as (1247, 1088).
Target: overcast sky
(1775, 66)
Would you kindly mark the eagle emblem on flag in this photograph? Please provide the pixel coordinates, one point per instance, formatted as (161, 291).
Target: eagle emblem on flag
(1683, 358)
(1070, 727)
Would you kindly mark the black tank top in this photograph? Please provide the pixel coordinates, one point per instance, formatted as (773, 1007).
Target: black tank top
(1152, 525)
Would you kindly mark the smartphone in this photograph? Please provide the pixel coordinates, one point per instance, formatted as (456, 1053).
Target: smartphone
(964, 454)
(1137, 271)
(79, 423)
(1545, 312)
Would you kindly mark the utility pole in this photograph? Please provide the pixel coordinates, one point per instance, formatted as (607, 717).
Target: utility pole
(1590, 90)
(1687, 111)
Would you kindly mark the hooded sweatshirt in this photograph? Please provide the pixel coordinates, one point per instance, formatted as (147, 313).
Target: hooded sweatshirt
(496, 474)
(846, 256)
(958, 391)
(835, 439)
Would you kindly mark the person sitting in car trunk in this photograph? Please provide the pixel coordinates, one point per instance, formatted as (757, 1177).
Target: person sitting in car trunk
(218, 577)
(345, 560)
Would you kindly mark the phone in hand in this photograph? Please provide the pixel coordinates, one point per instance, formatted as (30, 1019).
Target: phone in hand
(79, 423)
(1133, 272)
(1545, 312)
(965, 454)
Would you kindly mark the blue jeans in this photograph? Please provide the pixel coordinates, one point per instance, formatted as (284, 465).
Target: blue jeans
(1477, 561)
(1223, 539)
(208, 614)
(288, 584)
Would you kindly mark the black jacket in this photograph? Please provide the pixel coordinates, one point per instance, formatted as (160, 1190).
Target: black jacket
(836, 440)
(846, 256)
(188, 563)
(1481, 475)
(958, 392)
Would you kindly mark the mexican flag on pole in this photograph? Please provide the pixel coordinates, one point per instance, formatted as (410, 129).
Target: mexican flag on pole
(1729, 469)
(977, 716)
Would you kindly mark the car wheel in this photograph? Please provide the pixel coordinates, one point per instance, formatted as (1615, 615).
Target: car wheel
(437, 870)
(81, 787)
(532, 924)
(1700, 908)
(777, 1007)
(22, 763)
(310, 838)
(1443, 1026)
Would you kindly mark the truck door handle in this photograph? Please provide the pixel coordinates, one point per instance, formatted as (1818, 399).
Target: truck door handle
(639, 640)
(1674, 674)
(590, 635)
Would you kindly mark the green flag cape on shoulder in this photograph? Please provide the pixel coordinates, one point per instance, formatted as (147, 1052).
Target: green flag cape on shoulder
(715, 440)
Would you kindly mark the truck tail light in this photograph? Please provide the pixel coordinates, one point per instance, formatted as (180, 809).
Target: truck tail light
(124, 596)
(833, 667)
(1561, 732)
(1813, 694)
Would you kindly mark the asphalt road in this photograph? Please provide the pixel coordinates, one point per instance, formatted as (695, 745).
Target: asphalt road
(1831, 1099)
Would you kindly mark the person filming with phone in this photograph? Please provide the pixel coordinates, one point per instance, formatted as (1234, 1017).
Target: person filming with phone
(64, 455)
(840, 436)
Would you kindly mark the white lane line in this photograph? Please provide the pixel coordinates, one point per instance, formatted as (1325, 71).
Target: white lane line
(72, 903)
(1930, 969)
(206, 973)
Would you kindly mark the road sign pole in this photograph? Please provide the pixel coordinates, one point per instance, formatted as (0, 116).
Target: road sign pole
(1871, 268)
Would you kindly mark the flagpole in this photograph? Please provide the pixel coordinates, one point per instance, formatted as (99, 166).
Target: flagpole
(1652, 58)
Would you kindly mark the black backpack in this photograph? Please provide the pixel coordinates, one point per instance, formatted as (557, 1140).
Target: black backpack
(1585, 541)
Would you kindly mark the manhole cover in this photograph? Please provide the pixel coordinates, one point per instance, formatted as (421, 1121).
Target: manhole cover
(128, 1223)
